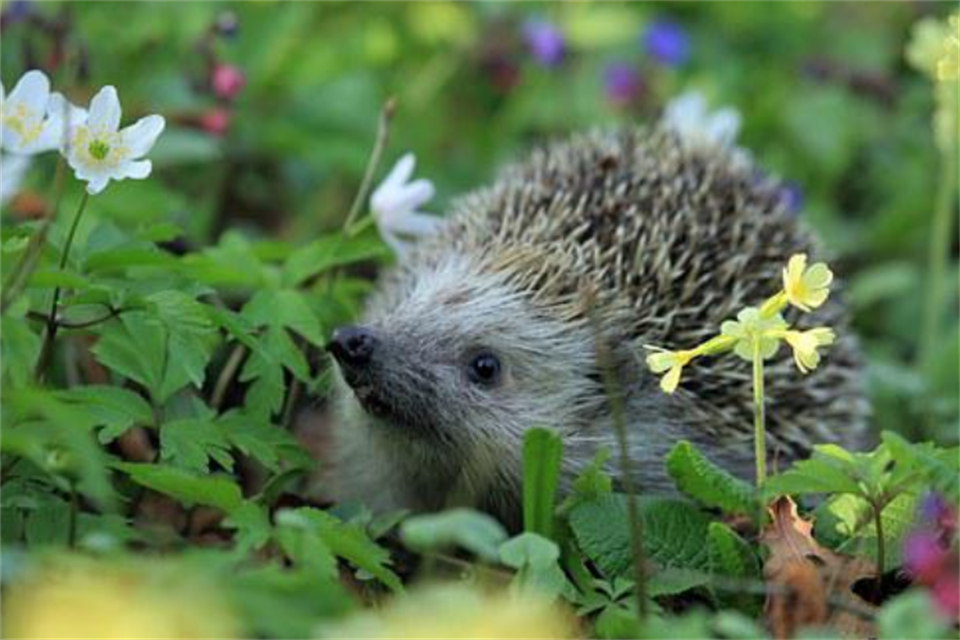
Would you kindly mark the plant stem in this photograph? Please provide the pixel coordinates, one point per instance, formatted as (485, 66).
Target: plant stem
(226, 375)
(759, 417)
(31, 255)
(939, 253)
(383, 131)
(881, 551)
(615, 395)
(46, 350)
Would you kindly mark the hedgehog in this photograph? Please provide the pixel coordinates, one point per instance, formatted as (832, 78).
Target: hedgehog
(539, 291)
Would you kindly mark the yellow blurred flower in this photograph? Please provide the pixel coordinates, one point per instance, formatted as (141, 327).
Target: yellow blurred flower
(948, 66)
(805, 345)
(806, 288)
(458, 611)
(81, 597)
(672, 362)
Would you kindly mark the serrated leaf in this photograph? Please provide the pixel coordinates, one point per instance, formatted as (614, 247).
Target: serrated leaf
(674, 533)
(191, 443)
(186, 486)
(729, 554)
(328, 252)
(474, 531)
(351, 542)
(542, 452)
(114, 409)
(707, 483)
(264, 442)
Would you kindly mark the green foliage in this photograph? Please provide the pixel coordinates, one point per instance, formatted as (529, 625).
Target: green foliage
(707, 483)
(674, 533)
(542, 453)
(476, 532)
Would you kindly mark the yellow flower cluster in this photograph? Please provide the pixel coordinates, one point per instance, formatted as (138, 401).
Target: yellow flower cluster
(758, 331)
(934, 50)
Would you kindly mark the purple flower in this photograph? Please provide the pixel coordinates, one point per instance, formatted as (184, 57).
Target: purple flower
(16, 11)
(622, 83)
(545, 42)
(791, 195)
(923, 556)
(933, 507)
(666, 42)
(227, 24)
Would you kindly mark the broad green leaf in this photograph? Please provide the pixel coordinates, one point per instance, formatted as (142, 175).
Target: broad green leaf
(674, 533)
(536, 560)
(707, 483)
(474, 531)
(542, 453)
(186, 486)
(266, 443)
(301, 542)
(252, 524)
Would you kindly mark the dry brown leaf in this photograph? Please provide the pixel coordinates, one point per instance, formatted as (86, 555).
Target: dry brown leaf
(811, 585)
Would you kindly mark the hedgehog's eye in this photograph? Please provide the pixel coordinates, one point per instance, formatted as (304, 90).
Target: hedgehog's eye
(484, 369)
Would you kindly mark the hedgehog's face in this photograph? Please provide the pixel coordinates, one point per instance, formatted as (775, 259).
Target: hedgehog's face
(454, 355)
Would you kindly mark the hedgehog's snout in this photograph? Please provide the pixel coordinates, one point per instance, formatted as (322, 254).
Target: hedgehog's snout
(353, 347)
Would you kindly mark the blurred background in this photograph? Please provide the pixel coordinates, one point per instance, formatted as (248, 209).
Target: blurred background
(272, 110)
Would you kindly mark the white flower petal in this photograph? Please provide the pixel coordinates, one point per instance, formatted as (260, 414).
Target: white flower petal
(723, 127)
(140, 137)
(97, 184)
(138, 170)
(409, 198)
(401, 171)
(417, 224)
(105, 110)
(32, 90)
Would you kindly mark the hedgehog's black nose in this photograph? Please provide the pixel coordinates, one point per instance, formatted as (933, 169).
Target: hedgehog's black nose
(352, 346)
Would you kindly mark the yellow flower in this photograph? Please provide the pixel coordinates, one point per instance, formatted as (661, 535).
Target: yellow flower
(805, 344)
(948, 67)
(456, 611)
(752, 329)
(806, 288)
(672, 362)
(71, 596)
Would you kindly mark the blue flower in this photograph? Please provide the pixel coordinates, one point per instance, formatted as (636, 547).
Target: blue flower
(791, 195)
(545, 42)
(666, 42)
(622, 83)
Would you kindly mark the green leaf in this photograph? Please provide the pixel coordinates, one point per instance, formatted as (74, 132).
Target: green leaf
(474, 531)
(350, 542)
(729, 554)
(114, 409)
(252, 524)
(301, 542)
(335, 250)
(536, 560)
(542, 453)
(186, 486)
(674, 533)
(845, 522)
(912, 615)
(266, 443)
(191, 443)
(707, 483)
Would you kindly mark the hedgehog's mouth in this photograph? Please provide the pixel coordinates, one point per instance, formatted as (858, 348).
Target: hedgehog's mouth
(371, 401)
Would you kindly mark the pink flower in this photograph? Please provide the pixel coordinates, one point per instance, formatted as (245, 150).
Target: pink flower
(923, 556)
(946, 593)
(216, 121)
(227, 81)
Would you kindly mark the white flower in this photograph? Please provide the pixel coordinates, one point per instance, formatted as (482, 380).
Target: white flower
(13, 167)
(32, 118)
(395, 203)
(98, 151)
(687, 115)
